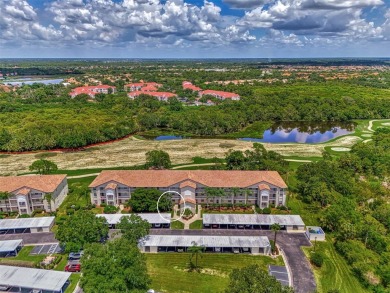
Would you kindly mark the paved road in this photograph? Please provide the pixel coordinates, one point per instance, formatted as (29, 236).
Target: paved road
(302, 275)
(31, 238)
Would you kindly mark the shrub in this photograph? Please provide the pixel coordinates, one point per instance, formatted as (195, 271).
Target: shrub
(266, 211)
(103, 205)
(317, 259)
(188, 212)
(259, 210)
(110, 209)
(37, 211)
(70, 211)
(24, 216)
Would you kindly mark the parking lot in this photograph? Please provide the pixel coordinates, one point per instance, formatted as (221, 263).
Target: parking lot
(46, 249)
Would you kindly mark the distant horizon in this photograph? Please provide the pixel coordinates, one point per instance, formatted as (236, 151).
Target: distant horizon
(194, 29)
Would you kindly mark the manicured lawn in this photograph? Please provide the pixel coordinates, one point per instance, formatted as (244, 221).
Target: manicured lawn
(198, 224)
(310, 214)
(61, 265)
(74, 278)
(23, 258)
(169, 274)
(74, 197)
(177, 225)
(334, 273)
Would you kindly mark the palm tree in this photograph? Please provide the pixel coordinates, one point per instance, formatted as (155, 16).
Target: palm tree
(247, 192)
(5, 195)
(235, 191)
(195, 250)
(275, 227)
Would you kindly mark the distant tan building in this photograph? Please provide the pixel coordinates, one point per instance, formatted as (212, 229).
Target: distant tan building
(35, 192)
(252, 187)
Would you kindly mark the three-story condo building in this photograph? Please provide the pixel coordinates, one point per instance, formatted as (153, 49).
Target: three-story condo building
(252, 187)
(24, 194)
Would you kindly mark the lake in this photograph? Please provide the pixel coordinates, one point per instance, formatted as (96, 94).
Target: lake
(289, 132)
(303, 132)
(30, 81)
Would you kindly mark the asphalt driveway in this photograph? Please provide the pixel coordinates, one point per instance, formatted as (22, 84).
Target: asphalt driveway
(32, 238)
(290, 243)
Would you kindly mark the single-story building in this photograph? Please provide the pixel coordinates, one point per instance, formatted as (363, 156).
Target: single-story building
(10, 247)
(156, 220)
(314, 233)
(290, 223)
(26, 225)
(227, 244)
(19, 279)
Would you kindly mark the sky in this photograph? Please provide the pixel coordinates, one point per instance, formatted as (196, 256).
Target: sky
(194, 28)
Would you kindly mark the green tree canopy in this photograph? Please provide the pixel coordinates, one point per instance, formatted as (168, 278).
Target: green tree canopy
(145, 200)
(252, 279)
(81, 228)
(158, 159)
(133, 227)
(43, 166)
(117, 266)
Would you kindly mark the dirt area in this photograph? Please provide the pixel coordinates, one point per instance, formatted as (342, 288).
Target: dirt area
(130, 151)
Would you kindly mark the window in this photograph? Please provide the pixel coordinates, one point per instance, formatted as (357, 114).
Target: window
(39, 229)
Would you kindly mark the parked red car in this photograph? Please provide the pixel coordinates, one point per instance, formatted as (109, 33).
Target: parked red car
(73, 268)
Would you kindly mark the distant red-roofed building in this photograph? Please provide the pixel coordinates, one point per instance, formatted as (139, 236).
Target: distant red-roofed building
(161, 96)
(92, 90)
(142, 86)
(220, 95)
(189, 86)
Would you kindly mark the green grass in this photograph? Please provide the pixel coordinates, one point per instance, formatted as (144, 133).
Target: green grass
(177, 225)
(74, 197)
(74, 278)
(335, 272)
(309, 214)
(198, 224)
(169, 274)
(62, 264)
(23, 258)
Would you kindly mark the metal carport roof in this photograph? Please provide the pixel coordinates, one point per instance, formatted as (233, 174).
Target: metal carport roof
(42, 222)
(207, 241)
(33, 278)
(9, 245)
(152, 218)
(252, 219)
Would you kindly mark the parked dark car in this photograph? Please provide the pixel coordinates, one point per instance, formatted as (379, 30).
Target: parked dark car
(75, 255)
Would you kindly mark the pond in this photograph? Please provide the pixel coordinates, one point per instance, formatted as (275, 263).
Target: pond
(287, 132)
(303, 132)
(168, 137)
(30, 81)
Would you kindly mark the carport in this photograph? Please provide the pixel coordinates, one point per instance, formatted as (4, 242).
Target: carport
(253, 222)
(19, 279)
(26, 225)
(219, 244)
(156, 220)
(10, 247)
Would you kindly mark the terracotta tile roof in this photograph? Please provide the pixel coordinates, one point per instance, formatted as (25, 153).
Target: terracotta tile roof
(24, 191)
(111, 185)
(154, 94)
(263, 186)
(210, 178)
(187, 183)
(225, 95)
(188, 199)
(44, 183)
(144, 86)
(90, 90)
(189, 86)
